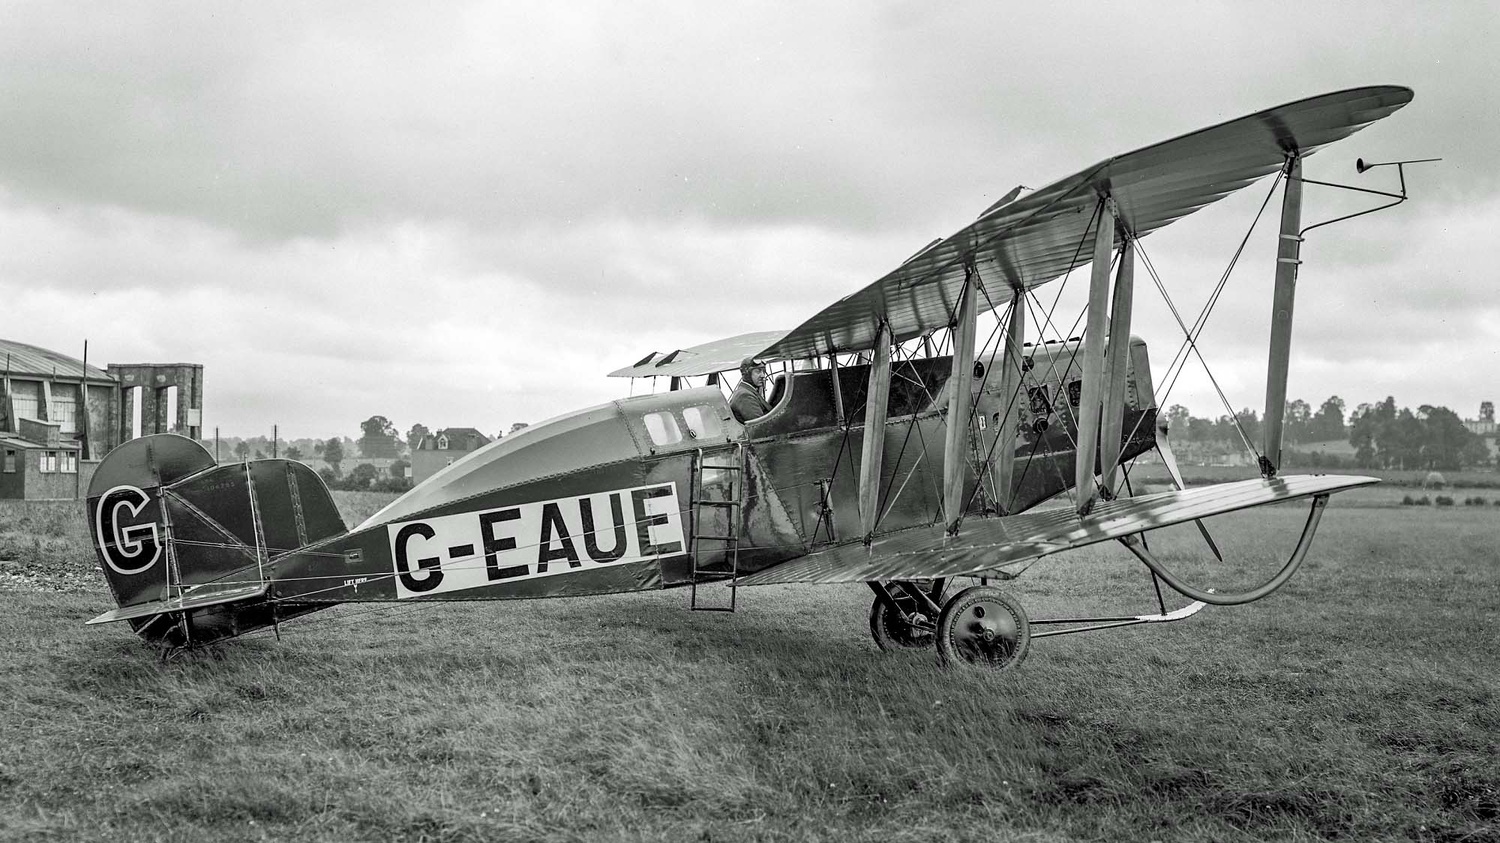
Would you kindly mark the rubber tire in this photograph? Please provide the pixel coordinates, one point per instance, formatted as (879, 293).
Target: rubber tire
(891, 634)
(972, 610)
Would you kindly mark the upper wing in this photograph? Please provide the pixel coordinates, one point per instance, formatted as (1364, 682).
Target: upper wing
(1038, 238)
(717, 356)
(987, 544)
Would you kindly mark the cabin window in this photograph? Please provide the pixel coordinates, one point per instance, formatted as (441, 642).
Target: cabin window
(702, 423)
(663, 428)
(10, 462)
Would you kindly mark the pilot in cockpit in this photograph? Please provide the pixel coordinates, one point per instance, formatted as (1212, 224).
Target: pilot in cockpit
(746, 402)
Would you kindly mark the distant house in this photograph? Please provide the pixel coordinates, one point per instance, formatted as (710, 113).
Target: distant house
(436, 451)
(1485, 427)
(382, 465)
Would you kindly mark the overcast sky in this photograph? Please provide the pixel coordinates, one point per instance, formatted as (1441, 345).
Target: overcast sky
(468, 216)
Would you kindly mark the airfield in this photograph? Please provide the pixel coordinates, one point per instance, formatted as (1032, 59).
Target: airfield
(1361, 702)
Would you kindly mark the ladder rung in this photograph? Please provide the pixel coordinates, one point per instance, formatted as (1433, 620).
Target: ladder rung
(721, 467)
(715, 576)
(716, 503)
(702, 537)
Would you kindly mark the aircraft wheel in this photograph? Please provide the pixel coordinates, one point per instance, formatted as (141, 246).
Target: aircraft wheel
(983, 626)
(891, 632)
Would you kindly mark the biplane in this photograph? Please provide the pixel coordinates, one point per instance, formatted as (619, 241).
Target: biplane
(898, 450)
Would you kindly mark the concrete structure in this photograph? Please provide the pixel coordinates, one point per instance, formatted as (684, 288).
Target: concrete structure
(1485, 427)
(151, 385)
(435, 451)
(1485, 424)
(58, 418)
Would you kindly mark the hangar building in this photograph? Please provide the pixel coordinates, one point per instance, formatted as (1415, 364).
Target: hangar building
(58, 417)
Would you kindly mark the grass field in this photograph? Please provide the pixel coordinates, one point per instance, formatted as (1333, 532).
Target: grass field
(1359, 703)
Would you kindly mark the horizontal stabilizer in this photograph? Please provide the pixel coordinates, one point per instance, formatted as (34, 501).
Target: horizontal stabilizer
(197, 598)
(988, 544)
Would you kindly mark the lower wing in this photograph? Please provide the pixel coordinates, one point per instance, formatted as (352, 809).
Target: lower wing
(989, 544)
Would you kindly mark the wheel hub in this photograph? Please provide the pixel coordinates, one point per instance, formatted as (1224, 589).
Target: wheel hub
(983, 626)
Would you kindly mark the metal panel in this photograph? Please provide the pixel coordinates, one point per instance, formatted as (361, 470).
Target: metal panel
(567, 443)
(988, 544)
(1036, 239)
(359, 567)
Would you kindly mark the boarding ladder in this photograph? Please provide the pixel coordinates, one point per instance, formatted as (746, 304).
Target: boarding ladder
(703, 520)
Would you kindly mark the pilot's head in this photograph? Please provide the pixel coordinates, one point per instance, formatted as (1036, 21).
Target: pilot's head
(753, 372)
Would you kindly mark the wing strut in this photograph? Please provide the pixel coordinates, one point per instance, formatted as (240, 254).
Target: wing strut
(838, 392)
(1093, 358)
(960, 401)
(1288, 251)
(1114, 372)
(873, 448)
(1010, 384)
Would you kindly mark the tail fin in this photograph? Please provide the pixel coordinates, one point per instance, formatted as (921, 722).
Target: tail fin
(184, 542)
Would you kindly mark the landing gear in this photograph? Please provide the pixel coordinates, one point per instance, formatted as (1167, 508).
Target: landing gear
(982, 626)
(904, 615)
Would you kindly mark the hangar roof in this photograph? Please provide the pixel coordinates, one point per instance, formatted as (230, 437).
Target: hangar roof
(18, 358)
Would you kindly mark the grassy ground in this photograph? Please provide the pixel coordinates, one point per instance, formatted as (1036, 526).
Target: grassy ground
(1358, 703)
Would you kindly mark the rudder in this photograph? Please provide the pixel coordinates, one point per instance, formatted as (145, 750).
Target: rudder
(184, 542)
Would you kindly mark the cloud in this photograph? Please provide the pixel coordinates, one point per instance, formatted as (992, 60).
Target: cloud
(468, 216)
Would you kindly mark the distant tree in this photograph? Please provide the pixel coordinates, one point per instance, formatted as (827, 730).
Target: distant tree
(333, 454)
(1445, 438)
(259, 454)
(1362, 435)
(1432, 438)
(1178, 419)
(362, 476)
(1250, 423)
(1297, 421)
(398, 469)
(1239, 428)
(1406, 445)
(293, 452)
(379, 439)
(1475, 453)
(1378, 435)
(330, 477)
(416, 433)
(242, 450)
(1328, 422)
(318, 448)
(1200, 430)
